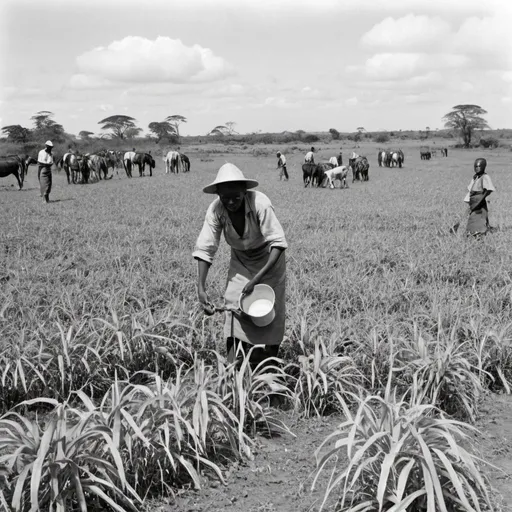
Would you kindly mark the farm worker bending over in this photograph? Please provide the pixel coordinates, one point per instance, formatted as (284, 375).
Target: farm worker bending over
(478, 190)
(257, 241)
(44, 173)
(281, 164)
(310, 157)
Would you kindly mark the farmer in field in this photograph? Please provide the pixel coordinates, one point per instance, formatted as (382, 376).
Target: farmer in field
(257, 241)
(281, 164)
(478, 190)
(44, 173)
(310, 156)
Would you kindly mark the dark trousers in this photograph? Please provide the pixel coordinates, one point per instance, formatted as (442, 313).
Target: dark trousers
(44, 175)
(258, 355)
(283, 172)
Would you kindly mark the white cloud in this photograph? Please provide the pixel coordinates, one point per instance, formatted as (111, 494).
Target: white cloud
(351, 102)
(83, 81)
(10, 92)
(139, 60)
(506, 99)
(399, 66)
(106, 107)
(489, 37)
(408, 33)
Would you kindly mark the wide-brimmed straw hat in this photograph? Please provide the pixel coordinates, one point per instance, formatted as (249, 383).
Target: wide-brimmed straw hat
(229, 173)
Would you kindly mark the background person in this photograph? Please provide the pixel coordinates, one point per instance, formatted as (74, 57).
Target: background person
(44, 173)
(281, 164)
(310, 156)
(257, 241)
(478, 190)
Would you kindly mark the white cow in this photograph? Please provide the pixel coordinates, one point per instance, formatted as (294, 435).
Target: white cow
(128, 162)
(338, 173)
(173, 162)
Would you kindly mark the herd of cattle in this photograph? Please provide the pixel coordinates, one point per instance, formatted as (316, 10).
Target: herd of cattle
(81, 168)
(84, 168)
(427, 153)
(318, 175)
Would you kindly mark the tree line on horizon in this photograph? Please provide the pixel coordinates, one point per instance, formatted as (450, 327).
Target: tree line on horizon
(464, 120)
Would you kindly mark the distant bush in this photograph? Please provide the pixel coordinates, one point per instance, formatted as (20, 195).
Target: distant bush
(356, 137)
(489, 142)
(382, 138)
(310, 138)
(335, 134)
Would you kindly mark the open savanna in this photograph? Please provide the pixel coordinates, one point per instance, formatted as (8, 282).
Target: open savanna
(108, 266)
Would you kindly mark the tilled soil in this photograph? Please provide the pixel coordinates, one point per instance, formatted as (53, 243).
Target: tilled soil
(279, 478)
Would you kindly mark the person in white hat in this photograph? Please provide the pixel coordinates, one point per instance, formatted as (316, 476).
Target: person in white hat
(44, 173)
(258, 244)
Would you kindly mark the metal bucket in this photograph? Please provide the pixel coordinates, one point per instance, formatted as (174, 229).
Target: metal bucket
(259, 305)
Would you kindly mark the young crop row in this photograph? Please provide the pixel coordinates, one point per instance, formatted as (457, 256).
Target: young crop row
(83, 442)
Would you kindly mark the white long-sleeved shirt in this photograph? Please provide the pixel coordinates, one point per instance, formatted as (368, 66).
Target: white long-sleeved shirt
(261, 227)
(44, 157)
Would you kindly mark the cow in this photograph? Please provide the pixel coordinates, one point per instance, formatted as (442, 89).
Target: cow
(173, 162)
(382, 157)
(128, 162)
(319, 175)
(337, 173)
(71, 165)
(334, 161)
(98, 164)
(113, 160)
(185, 161)
(141, 159)
(425, 153)
(15, 165)
(360, 167)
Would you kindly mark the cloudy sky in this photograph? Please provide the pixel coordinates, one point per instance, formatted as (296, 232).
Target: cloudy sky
(268, 65)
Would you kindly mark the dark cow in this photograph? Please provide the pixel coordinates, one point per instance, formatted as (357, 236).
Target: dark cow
(15, 165)
(185, 162)
(425, 153)
(320, 172)
(360, 167)
(141, 159)
(97, 165)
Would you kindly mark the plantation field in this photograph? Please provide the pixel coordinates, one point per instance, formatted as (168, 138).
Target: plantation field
(373, 271)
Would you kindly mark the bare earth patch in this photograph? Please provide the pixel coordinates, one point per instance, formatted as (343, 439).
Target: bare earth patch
(280, 477)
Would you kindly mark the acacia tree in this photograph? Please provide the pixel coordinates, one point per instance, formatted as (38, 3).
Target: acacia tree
(16, 133)
(119, 124)
(466, 119)
(162, 130)
(230, 125)
(46, 128)
(175, 121)
(85, 134)
(219, 130)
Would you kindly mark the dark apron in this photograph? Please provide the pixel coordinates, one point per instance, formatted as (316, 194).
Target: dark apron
(45, 180)
(478, 222)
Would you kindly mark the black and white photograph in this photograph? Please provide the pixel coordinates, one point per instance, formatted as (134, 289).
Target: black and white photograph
(256, 255)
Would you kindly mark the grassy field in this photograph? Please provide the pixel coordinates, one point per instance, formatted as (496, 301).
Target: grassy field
(108, 267)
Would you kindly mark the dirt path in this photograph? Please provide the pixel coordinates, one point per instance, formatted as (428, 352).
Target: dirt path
(495, 444)
(279, 479)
